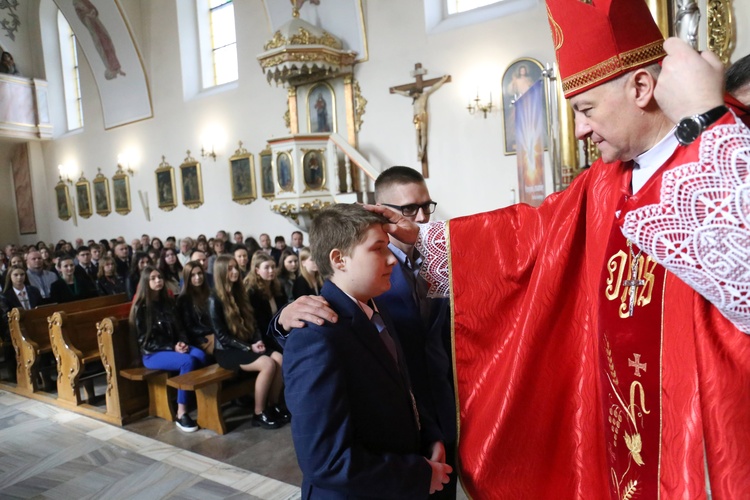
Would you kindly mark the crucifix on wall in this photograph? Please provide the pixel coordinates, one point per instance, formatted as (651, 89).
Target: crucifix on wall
(420, 91)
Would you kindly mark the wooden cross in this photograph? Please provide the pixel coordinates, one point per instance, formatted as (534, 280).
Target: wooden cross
(420, 91)
(637, 364)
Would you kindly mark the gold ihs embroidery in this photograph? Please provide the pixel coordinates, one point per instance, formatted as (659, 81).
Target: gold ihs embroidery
(619, 266)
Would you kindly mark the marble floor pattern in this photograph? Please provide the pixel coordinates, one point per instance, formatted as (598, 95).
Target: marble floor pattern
(48, 452)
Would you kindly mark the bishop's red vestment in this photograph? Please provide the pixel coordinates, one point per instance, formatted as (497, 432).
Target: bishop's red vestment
(584, 369)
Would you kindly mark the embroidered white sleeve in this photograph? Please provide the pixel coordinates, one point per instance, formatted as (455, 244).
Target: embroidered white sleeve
(700, 229)
(432, 245)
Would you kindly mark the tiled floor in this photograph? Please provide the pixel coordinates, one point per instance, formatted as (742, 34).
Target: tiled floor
(47, 452)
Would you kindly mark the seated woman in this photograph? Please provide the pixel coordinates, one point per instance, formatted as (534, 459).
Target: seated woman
(8, 64)
(242, 258)
(266, 295)
(288, 272)
(161, 338)
(47, 263)
(309, 280)
(156, 244)
(138, 263)
(18, 292)
(239, 344)
(171, 270)
(192, 305)
(108, 281)
(70, 287)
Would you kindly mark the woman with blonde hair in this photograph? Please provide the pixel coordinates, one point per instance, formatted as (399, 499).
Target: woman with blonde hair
(309, 280)
(266, 295)
(238, 343)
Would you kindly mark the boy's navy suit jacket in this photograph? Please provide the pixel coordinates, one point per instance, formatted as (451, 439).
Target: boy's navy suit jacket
(353, 421)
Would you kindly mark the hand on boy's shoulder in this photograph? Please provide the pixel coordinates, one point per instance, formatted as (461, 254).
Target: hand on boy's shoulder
(308, 309)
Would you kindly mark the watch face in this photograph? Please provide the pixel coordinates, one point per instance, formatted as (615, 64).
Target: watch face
(688, 130)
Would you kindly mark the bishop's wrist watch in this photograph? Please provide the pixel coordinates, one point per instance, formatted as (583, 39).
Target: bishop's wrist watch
(690, 128)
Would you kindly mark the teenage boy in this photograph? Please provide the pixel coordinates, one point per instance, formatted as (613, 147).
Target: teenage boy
(356, 427)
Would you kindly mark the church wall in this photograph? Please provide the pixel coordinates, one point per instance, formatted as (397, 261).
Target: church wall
(468, 169)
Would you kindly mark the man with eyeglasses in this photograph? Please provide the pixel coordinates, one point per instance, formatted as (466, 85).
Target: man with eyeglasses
(422, 324)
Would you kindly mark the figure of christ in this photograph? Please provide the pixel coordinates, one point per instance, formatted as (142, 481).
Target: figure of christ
(89, 16)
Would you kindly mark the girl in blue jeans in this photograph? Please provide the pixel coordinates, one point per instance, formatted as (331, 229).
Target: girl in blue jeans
(162, 340)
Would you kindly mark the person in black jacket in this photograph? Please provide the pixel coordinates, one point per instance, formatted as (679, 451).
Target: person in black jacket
(138, 263)
(18, 292)
(239, 345)
(161, 337)
(109, 282)
(266, 295)
(70, 287)
(192, 305)
(309, 281)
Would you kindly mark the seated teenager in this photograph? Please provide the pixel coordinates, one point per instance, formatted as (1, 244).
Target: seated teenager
(108, 281)
(156, 244)
(71, 287)
(161, 337)
(18, 292)
(266, 295)
(288, 272)
(238, 344)
(192, 305)
(140, 261)
(309, 280)
(171, 270)
(356, 428)
(242, 258)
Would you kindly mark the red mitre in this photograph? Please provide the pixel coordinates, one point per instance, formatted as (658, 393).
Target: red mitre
(599, 40)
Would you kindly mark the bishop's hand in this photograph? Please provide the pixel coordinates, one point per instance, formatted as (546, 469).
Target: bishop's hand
(401, 228)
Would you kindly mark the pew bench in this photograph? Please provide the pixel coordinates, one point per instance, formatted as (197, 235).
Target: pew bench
(126, 397)
(74, 340)
(29, 331)
(213, 386)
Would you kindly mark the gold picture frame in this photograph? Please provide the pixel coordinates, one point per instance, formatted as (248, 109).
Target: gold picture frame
(285, 171)
(62, 197)
(321, 109)
(102, 201)
(314, 169)
(242, 176)
(192, 182)
(519, 76)
(166, 193)
(266, 174)
(83, 197)
(121, 191)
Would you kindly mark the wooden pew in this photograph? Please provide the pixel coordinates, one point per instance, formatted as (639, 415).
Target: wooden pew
(213, 387)
(29, 333)
(126, 398)
(74, 340)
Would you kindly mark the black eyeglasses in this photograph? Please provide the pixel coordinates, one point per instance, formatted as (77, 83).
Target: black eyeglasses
(412, 209)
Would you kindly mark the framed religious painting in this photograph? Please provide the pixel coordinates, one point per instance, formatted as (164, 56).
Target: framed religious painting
(242, 176)
(101, 194)
(321, 109)
(62, 198)
(121, 191)
(192, 182)
(166, 193)
(83, 197)
(266, 173)
(517, 79)
(313, 169)
(284, 172)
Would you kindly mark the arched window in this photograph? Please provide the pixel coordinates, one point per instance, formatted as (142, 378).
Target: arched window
(70, 74)
(218, 41)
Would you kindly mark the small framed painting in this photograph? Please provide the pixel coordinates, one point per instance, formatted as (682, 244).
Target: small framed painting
(284, 172)
(166, 192)
(321, 109)
(101, 194)
(83, 197)
(313, 168)
(517, 79)
(266, 173)
(62, 196)
(242, 171)
(192, 182)
(121, 191)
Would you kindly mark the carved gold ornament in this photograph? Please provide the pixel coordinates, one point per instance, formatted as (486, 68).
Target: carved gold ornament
(720, 28)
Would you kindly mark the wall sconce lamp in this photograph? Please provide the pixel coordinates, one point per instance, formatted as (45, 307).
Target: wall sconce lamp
(64, 176)
(123, 165)
(476, 105)
(211, 154)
